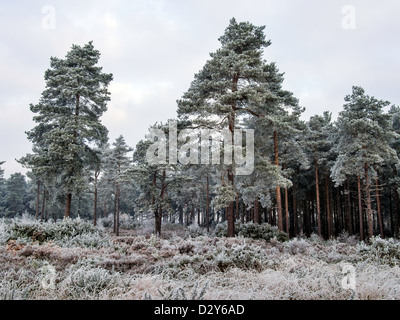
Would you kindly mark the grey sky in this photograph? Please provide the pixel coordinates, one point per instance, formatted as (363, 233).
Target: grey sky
(154, 48)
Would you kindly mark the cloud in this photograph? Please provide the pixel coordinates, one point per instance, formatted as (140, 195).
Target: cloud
(154, 48)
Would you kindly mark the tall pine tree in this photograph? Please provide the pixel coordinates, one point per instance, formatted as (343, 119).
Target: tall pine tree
(68, 117)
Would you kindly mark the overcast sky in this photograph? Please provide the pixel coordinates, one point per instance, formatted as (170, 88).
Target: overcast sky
(154, 48)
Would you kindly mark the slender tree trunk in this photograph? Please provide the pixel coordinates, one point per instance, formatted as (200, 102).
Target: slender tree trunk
(68, 205)
(117, 212)
(115, 209)
(287, 212)
(318, 199)
(37, 200)
(96, 175)
(360, 209)
(378, 205)
(295, 219)
(349, 209)
(43, 205)
(278, 189)
(158, 221)
(208, 204)
(368, 197)
(256, 213)
(328, 207)
(180, 211)
(230, 214)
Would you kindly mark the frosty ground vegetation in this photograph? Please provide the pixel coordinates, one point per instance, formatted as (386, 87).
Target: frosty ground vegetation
(72, 260)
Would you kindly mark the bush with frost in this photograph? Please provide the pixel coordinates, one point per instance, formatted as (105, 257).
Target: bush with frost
(254, 231)
(385, 251)
(67, 233)
(86, 281)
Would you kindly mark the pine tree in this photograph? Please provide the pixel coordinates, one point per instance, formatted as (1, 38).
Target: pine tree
(122, 163)
(68, 118)
(15, 199)
(364, 135)
(230, 86)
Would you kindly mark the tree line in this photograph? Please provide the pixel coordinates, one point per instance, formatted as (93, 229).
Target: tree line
(310, 176)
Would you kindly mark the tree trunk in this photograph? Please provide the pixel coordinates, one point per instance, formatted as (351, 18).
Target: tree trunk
(378, 205)
(230, 214)
(328, 207)
(68, 205)
(95, 199)
(37, 200)
(43, 205)
(349, 217)
(360, 209)
(180, 212)
(318, 199)
(295, 219)
(158, 221)
(117, 213)
(208, 204)
(369, 209)
(256, 213)
(287, 212)
(278, 189)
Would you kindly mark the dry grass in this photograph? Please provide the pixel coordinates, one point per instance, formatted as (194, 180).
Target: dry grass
(140, 266)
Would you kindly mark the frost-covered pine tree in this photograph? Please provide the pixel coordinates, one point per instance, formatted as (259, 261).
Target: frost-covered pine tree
(15, 196)
(121, 160)
(394, 182)
(68, 117)
(228, 88)
(364, 134)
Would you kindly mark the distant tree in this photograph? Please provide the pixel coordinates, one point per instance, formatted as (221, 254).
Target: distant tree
(16, 191)
(116, 165)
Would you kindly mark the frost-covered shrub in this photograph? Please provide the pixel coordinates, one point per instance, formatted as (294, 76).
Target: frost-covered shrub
(4, 234)
(298, 246)
(382, 250)
(85, 281)
(195, 231)
(127, 222)
(254, 231)
(64, 233)
(241, 256)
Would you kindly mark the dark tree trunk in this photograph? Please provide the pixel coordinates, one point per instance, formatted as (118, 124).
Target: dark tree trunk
(96, 175)
(360, 209)
(68, 205)
(378, 205)
(318, 199)
(37, 200)
(256, 213)
(295, 219)
(208, 204)
(328, 207)
(230, 214)
(43, 205)
(368, 198)
(278, 189)
(349, 217)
